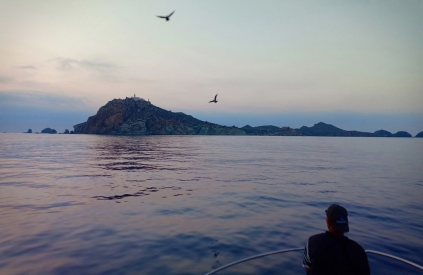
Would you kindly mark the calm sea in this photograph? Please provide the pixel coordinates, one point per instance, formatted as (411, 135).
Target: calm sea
(85, 204)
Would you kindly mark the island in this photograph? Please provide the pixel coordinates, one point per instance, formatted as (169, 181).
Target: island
(48, 131)
(136, 116)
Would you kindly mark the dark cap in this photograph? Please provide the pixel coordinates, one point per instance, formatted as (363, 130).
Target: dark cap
(338, 217)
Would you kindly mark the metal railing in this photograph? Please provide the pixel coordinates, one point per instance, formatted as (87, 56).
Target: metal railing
(302, 248)
(395, 258)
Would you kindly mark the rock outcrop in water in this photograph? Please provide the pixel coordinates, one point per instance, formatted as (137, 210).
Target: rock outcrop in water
(48, 131)
(135, 116)
(420, 135)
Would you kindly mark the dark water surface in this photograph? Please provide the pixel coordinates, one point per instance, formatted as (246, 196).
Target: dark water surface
(81, 204)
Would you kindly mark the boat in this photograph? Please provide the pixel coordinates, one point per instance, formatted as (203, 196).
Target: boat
(302, 248)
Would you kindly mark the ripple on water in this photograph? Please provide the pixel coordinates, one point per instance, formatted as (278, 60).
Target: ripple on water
(81, 204)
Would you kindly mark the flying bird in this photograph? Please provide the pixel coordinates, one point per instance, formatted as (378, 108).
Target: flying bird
(166, 17)
(214, 100)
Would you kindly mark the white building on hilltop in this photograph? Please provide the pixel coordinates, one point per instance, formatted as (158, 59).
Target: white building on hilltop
(137, 98)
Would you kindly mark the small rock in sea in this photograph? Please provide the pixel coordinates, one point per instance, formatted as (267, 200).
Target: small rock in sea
(48, 131)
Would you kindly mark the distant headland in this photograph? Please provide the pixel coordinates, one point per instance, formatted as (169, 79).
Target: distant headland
(136, 116)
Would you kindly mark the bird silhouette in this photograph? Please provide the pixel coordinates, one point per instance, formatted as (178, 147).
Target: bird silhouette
(166, 17)
(214, 100)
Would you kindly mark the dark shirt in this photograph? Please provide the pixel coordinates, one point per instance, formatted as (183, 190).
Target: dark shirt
(329, 254)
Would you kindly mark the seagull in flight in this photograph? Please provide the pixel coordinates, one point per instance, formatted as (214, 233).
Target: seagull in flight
(166, 17)
(214, 100)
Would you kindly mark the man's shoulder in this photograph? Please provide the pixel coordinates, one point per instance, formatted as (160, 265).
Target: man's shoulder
(327, 238)
(320, 236)
(355, 245)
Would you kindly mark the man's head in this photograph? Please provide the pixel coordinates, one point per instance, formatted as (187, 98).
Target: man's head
(337, 219)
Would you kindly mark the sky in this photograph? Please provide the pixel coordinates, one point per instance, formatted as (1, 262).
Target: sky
(355, 64)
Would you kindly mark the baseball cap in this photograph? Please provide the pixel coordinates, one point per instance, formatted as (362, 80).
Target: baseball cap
(338, 216)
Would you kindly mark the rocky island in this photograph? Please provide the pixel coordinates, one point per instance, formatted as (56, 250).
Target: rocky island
(136, 116)
(48, 131)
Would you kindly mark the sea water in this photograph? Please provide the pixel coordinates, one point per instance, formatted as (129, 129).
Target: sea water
(86, 204)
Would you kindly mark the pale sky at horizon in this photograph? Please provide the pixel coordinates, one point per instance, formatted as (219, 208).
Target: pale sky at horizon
(262, 57)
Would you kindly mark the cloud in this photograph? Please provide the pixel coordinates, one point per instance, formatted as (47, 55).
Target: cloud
(104, 70)
(65, 64)
(28, 67)
(5, 79)
(42, 100)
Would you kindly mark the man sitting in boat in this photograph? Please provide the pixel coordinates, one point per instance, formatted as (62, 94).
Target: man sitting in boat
(332, 253)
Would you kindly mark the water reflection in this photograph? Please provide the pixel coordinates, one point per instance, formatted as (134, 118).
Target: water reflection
(146, 192)
(135, 153)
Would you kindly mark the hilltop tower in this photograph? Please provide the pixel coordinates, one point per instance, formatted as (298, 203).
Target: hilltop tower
(137, 98)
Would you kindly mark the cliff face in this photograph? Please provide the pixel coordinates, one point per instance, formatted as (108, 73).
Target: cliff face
(139, 117)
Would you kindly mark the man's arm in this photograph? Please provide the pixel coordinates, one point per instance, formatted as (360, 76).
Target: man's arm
(306, 260)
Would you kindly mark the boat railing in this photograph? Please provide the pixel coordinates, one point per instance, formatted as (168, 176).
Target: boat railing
(302, 248)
